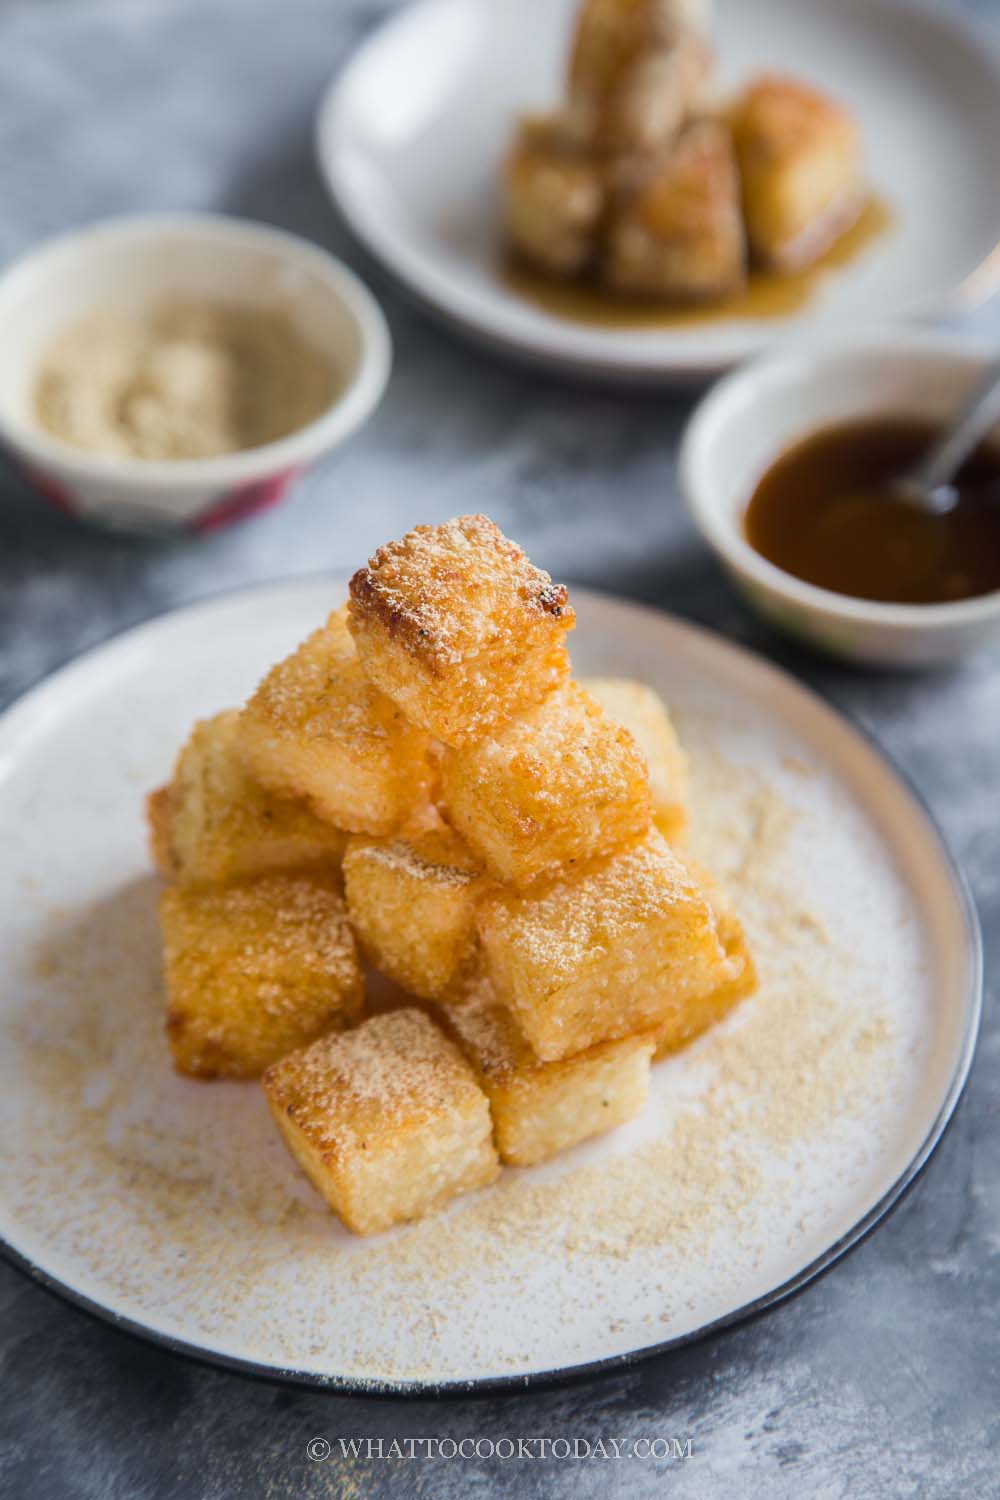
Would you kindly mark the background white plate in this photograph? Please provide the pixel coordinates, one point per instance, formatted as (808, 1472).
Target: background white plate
(767, 1148)
(411, 133)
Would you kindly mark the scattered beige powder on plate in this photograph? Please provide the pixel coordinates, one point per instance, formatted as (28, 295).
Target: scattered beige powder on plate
(198, 1179)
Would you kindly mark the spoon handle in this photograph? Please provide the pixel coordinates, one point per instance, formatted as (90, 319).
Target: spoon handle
(980, 412)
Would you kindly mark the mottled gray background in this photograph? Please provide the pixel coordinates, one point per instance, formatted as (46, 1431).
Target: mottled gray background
(882, 1380)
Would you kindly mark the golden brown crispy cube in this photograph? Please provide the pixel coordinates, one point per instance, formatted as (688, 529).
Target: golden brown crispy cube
(609, 954)
(158, 831)
(458, 627)
(553, 197)
(677, 231)
(690, 1018)
(799, 157)
(317, 728)
(215, 823)
(255, 969)
(387, 1121)
(413, 906)
(557, 785)
(542, 1108)
(638, 68)
(644, 715)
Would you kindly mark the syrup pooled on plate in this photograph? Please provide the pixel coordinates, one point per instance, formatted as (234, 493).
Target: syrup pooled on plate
(825, 513)
(767, 294)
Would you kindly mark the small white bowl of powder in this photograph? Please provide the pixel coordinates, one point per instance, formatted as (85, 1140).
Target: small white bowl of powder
(178, 371)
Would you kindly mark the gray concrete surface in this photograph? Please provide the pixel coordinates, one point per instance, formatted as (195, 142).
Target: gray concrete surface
(882, 1380)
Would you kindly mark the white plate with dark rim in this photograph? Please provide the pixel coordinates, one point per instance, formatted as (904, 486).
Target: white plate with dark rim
(411, 133)
(767, 1149)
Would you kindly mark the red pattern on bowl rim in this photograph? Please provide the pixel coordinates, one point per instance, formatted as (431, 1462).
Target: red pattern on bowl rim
(237, 504)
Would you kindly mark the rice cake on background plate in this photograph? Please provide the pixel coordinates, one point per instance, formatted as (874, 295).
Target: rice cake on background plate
(424, 196)
(767, 1148)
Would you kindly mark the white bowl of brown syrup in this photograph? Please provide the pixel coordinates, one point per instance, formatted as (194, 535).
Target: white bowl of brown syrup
(786, 466)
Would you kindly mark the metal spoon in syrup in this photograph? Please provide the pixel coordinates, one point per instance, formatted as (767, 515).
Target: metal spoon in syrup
(928, 484)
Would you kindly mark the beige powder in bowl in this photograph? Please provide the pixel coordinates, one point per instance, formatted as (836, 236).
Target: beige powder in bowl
(190, 380)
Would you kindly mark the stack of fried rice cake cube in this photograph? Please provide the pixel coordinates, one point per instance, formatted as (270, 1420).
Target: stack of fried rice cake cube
(423, 785)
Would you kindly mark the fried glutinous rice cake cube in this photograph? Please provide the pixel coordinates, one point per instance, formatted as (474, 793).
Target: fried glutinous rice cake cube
(557, 785)
(220, 824)
(387, 1121)
(606, 954)
(799, 157)
(637, 69)
(255, 969)
(553, 196)
(542, 1108)
(412, 903)
(459, 628)
(644, 714)
(317, 728)
(677, 231)
(689, 1018)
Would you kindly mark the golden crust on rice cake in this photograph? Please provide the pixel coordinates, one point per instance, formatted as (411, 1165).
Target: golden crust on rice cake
(637, 69)
(542, 1108)
(553, 198)
(412, 902)
(317, 728)
(161, 850)
(605, 955)
(218, 824)
(255, 969)
(557, 785)
(387, 1121)
(459, 628)
(677, 232)
(695, 1016)
(799, 157)
(643, 713)
(690, 1018)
